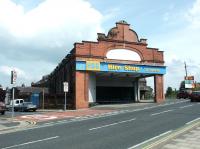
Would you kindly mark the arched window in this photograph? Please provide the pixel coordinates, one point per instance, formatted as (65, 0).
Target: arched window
(123, 54)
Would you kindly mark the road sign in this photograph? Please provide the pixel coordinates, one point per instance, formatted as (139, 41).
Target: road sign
(189, 81)
(65, 85)
(189, 77)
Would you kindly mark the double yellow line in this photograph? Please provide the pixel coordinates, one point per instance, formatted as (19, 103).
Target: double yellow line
(173, 135)
(31, 123)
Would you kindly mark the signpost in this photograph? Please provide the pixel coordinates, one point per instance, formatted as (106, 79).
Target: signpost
(65, 87)
(13, 81)
(189, 82)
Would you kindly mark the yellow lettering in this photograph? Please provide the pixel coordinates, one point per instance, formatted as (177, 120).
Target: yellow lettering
(113, 67)
(131, 68)
(93, 65)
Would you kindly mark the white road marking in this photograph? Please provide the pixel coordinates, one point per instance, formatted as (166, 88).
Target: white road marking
(39, 117)
(150, 139)
(185, 106)
(76, 119)
(193, 121)
(161, 112)
(31, 142)
(112, 124)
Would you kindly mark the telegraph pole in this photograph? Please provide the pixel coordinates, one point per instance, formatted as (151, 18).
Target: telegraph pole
(185, 69)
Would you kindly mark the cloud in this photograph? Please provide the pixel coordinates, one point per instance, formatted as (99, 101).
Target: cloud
(180, 44)
(21, 74)
(176, 72)
(44, 34)
(193, 15)
(46, 30)
(5, 72)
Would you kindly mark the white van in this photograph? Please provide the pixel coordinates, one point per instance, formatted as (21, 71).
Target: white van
(20, 105)
(17, 104)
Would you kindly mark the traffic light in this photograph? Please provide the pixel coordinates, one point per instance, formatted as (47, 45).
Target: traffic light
(13, 77)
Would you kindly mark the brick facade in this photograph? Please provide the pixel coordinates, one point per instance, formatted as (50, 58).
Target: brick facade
(119, 37)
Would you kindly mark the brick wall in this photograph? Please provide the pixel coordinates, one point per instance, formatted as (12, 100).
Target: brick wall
(119, 37)
(81, 93)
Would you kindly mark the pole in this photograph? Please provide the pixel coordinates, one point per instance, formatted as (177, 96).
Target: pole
(43, 98)
(65, 88)
(185, 69)
(13, 97)
(65, 102)
(13, 81)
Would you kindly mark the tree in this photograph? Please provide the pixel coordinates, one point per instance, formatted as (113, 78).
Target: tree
(197, 87)
(170, 93)
(149, 93)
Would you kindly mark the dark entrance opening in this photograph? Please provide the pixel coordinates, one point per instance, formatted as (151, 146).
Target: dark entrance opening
(114, 94)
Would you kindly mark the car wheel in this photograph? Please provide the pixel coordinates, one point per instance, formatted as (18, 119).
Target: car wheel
(2, 113)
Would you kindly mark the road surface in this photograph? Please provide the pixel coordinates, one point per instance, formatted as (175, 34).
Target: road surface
(122, 130)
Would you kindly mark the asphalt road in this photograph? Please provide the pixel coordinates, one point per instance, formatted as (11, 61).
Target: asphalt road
(120, 131)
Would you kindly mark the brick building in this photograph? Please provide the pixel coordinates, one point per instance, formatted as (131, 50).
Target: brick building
(111, 69)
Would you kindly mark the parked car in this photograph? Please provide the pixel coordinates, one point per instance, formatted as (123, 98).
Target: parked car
(2, 107)
(28, 106)
(195, 96)
(20, 105)
(183, 95)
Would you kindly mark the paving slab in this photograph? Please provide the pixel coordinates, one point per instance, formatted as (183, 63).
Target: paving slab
(190, 140)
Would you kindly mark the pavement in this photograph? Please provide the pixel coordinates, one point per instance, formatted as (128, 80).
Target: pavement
(189, 140)
(186, 137)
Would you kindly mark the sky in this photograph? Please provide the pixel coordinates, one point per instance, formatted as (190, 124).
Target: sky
(35, 35)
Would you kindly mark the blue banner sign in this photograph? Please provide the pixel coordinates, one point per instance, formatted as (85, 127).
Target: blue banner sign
(117, 67)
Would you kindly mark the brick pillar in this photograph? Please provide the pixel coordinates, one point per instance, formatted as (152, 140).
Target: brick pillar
(159, 88)
(81, 90)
